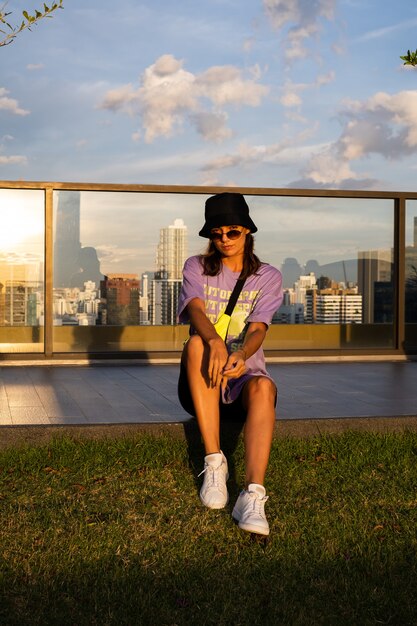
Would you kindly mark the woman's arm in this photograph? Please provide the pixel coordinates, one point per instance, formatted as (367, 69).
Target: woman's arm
(217, 348)
(235, 366)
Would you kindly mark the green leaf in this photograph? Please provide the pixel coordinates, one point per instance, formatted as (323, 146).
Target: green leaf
(26, 15)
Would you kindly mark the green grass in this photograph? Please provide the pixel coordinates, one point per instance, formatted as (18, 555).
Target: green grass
(112, 532)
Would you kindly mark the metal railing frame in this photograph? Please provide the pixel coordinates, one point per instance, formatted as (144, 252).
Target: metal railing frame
(399, 199)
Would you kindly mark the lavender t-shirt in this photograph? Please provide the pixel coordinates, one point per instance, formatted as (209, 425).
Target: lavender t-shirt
(261, 296)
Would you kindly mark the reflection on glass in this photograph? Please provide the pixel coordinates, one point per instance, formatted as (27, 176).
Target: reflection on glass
(118, 258)
(411, 266)
(21, 270)
(335, 256)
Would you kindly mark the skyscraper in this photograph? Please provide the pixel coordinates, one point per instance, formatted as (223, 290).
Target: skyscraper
(73, 264)
(120, 295)
(164, 299)
(172, 249)
(166, 285)
(375, 267)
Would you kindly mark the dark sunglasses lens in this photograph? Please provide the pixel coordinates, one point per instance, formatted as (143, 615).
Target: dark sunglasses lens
(231, 234)
(234, 234)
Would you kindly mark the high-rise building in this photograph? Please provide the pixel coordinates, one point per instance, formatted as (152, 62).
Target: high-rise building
(411, 278)
(172, 249)
(164, 299)
(375, 267)
(166, 285)
(73, 263)
(21, 294)
(144, 300)
(333, 306)
(120, 299)
(22, 303)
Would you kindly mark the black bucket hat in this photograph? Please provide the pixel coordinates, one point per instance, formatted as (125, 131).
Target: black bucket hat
(226, 209)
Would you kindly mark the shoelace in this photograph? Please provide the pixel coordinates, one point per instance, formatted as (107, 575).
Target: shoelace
(213, 476)
(258, 503)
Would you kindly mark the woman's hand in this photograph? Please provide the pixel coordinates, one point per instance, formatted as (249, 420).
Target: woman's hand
(217, 360)
(235, 366)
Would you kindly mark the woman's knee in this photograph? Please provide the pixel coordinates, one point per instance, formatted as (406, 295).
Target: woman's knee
(260, 388)
(194, 349)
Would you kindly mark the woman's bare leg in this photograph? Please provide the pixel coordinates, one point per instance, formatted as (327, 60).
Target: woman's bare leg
(259, 400)
(205, 398)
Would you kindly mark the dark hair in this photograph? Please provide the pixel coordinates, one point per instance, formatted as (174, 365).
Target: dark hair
(212, 259)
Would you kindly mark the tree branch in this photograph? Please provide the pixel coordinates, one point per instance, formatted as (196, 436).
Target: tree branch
(8, 32)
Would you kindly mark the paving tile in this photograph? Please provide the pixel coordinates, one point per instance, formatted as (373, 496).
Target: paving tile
(29, 415)
(22, 395)
(64, 420)
(132, 413)
(98, 409)
(5, 416)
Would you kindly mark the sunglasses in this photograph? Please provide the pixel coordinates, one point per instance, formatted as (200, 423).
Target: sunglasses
(230, 234)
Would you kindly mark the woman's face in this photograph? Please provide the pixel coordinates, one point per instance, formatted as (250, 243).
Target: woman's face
(229, 246)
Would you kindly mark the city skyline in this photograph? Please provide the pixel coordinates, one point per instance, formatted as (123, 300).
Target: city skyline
(124, 245)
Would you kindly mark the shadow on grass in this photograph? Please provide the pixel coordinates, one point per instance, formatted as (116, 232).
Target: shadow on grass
(230, 434)
(254, 589)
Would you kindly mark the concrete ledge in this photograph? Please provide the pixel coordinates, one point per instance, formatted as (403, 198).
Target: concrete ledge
(175, 360)
(20, 436)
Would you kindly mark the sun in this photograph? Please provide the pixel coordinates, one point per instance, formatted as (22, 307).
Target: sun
(21, 220)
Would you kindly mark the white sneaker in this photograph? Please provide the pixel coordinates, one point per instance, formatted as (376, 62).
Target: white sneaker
(213, 493)
(249, 510)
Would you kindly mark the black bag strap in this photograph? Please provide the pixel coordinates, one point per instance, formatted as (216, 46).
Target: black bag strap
(234, 295)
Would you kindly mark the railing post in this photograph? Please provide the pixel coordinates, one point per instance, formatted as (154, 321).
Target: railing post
(48, 298)
(399, 269)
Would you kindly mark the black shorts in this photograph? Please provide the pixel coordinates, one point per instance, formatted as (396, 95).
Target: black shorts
(228, 412)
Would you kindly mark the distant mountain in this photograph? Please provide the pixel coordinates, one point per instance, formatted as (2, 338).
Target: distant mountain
(345, 270)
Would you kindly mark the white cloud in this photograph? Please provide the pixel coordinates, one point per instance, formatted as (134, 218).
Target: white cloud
(248, 44)
(225, 85)
(10, 104)
(169, 95)
(302, 17)
(13, 160)
(33, 67)
(119, 99)
(325, 79)
(291, 91)
(327, 167)
(212, 126)
(300, 12)
(290, 97)
(283, 152)
(384, 124)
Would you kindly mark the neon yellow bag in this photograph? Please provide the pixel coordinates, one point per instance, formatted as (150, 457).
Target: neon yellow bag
(222, 325)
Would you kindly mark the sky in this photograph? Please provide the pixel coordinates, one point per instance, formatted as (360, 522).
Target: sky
(264, 93)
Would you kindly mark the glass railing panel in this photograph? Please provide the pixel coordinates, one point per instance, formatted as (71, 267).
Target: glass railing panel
(21, 271)
(118, 258)
(411, 275)
(336, 258)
